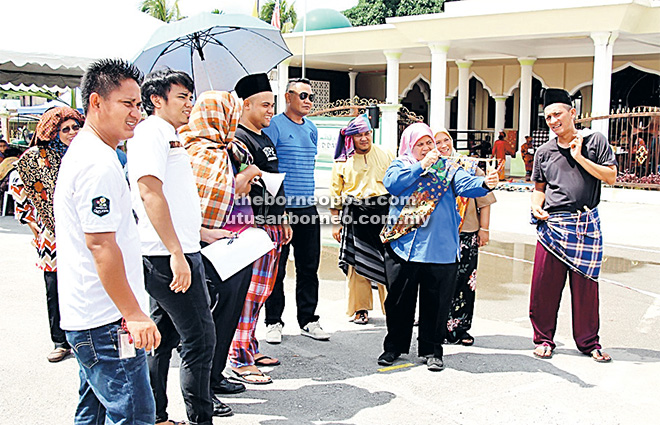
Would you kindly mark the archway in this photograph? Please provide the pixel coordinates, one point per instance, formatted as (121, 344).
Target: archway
(417, 99)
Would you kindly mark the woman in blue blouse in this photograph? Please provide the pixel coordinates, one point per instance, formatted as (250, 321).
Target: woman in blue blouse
(422, 243)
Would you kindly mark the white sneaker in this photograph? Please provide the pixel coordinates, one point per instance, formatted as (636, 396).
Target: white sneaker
(274, 333)
(314, 330)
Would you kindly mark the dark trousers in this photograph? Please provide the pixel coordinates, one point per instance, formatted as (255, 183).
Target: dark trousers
(436, 283)
(548, 280)
(306, 244)
(181, 317)
(57, 335)
(227, 299)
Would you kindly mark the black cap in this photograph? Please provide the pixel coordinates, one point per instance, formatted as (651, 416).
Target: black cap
(551, 96)
(252, 84)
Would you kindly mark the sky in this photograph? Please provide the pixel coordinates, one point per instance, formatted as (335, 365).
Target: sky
(191, 7)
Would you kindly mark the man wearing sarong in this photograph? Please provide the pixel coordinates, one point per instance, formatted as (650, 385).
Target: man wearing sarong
(499, 152)
(567, 174)
(357, 192)
(258, 104)
(527, 152)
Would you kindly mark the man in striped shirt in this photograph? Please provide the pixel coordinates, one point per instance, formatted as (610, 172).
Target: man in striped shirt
(295, 139)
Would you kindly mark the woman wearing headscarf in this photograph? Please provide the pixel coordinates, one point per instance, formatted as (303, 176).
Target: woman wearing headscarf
(33, 195)
(223, 170)
(357, 191)
(474, 233)
(422, 244)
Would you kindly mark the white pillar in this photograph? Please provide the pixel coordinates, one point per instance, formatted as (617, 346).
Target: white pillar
(602, 86)
(525, 109)
(389, 126)
(352, 75)
(463, 95)
(448, 100)
(500, 111)
(392, 87)
(438, 84)
(282, 80)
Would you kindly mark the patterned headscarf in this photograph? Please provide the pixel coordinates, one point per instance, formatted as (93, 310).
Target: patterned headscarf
(345, 147)
(49, 125)
(209, 139)
(410, 136)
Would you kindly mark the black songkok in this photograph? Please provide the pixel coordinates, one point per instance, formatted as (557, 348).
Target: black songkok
(551, 96)
(252, 84)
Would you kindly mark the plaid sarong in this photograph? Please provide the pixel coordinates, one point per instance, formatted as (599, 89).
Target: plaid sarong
(574, 238)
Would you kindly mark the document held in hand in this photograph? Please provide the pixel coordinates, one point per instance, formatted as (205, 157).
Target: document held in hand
(273, 181)
(229, 256)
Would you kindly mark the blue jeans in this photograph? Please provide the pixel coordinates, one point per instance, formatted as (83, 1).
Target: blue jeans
(112, 390)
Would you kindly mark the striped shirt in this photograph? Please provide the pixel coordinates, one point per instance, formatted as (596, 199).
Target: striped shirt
(296, 146)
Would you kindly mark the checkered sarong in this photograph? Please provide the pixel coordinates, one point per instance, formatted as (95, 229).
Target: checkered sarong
(574, 238)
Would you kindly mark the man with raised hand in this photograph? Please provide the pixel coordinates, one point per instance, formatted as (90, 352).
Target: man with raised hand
(568, 171)
(101, 285)
(166, 203)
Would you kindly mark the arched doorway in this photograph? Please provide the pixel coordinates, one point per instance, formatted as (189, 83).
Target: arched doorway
(417, 99)
(632, 87)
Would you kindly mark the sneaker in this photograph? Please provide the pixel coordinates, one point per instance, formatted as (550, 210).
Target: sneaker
(314, 330)
(435, 364)
(387, 358)
(274, 333)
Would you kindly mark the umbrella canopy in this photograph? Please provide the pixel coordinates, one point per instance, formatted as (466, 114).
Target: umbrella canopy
(216, 50)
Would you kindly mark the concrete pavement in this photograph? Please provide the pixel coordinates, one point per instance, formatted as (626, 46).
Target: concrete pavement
(497, 381)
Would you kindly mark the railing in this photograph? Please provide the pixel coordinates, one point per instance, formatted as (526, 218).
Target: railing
(635, 137)
(345, 107)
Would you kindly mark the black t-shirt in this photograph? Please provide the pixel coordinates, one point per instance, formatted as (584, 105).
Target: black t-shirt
(569, 186)
(265, 157)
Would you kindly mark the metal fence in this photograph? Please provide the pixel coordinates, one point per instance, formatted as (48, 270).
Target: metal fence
(635, 138)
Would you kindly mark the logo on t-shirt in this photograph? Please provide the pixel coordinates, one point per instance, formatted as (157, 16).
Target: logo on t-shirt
(269, 151)
(101, 206)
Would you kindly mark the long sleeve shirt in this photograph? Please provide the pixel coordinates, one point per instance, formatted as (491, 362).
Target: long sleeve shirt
(437, 241)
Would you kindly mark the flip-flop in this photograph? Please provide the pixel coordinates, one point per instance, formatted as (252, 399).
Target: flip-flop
(361, 318)
(599, 356)
(242, 377)
(547, 352)
(259, 361)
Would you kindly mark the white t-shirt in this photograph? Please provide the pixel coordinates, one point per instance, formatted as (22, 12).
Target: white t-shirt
(155, 150)
(92, 196)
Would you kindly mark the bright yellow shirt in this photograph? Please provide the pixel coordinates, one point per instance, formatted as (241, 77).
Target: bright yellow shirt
(361, 176)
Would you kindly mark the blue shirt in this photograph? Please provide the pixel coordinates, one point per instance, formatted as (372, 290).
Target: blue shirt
(438, 241)
(296, 146)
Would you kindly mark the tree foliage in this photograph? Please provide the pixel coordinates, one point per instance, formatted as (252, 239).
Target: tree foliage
(288, 16)
(160, 9)
(374, 12)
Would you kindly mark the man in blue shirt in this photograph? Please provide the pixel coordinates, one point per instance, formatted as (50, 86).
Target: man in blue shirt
(295, 139)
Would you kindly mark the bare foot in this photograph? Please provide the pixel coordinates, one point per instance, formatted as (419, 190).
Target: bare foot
(264, 360)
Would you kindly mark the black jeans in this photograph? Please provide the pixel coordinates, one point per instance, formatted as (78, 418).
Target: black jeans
(227, 299)
(184, 317)
(306, 243)
(53, 304)
(436, 283)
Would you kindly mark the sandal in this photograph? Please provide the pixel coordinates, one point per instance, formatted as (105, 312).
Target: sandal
(259, 361)
(467, 340)
(361, 318)
(543, 351)
(599, 356)
(245, 377)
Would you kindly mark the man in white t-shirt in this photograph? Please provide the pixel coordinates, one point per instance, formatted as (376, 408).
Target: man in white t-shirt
(167, 206)
(99, 264)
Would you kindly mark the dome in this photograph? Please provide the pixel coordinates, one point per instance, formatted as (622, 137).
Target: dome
(323, 19)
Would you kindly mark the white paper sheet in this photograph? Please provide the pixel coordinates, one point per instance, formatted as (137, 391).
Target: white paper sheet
(273, 181)
(229, 256)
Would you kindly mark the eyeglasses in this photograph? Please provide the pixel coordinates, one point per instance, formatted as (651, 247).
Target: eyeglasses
(66, 130)
(304, 95)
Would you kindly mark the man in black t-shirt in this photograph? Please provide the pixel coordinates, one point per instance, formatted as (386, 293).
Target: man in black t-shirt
(258, 103)
(567, 173)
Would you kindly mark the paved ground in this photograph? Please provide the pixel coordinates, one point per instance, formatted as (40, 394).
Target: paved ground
(496, 381)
